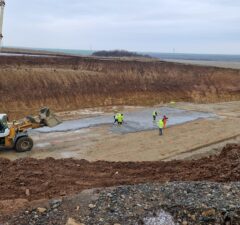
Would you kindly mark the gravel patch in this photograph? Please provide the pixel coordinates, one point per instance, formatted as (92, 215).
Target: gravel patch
(172, 203)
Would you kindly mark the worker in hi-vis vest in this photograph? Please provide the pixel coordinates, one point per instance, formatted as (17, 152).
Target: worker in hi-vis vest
(120, 119)
(154, 114)
(160, 126)
(116, 118)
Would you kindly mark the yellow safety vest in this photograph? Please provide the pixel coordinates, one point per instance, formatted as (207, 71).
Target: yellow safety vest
(160, 124)
(120, 118)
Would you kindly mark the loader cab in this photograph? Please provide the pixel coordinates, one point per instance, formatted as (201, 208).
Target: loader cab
(12, 139)
(3, 119)
(4, 130)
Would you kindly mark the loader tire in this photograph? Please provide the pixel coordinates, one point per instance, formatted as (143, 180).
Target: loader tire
(24, 144)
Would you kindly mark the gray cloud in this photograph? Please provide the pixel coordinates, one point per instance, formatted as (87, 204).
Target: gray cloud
(207, 26)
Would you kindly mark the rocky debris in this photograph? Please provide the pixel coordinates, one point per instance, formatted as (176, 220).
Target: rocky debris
(91, 206)
(161, 218)
(55, 203)
(73, 222)
(41, 210)
(27, 192)
(39, 215)
(177, 203)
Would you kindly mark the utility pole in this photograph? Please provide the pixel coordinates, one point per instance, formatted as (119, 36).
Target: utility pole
(2, 5)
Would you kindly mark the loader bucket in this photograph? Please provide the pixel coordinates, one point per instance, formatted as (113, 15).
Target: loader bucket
(48, 118)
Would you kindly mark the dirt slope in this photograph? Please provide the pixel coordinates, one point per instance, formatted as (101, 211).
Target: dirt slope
(69, 83)
(51, 178)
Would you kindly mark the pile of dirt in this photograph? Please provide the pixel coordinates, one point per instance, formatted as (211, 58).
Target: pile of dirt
(69, 83)
(34, 179)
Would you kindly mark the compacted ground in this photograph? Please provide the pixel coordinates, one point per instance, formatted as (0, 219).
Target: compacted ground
(189, 140)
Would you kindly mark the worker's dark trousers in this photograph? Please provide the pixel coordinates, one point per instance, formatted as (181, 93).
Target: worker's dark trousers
(154, 118)
(160, 131)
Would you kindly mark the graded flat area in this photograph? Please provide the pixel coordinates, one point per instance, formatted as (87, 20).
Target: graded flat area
(194, 139)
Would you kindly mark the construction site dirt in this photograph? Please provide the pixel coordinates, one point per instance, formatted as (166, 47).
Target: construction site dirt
(33, 179)
(201, 141)
(96, 138)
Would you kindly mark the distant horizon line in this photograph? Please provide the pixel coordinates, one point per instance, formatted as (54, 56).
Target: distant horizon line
(116, 49)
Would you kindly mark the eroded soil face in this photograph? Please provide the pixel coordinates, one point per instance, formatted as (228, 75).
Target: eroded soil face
(27, 83)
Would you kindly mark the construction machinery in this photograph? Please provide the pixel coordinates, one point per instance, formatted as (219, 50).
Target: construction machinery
(15, 135)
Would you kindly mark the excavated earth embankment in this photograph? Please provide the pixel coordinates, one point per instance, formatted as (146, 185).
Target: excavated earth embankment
(204, 191)
(68, 83)
(34, 179)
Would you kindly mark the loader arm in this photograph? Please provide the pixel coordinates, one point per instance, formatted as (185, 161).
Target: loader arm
(45, 118)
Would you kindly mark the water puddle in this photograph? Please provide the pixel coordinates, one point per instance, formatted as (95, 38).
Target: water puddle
(42, 145)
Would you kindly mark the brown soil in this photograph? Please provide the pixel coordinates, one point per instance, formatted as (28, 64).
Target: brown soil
(68, 83)
(52, 178)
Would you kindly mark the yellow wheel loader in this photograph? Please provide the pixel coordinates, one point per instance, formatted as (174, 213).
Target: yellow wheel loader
(15, 135)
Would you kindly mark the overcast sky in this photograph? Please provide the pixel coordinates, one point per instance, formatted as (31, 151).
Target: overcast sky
(188, 26)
